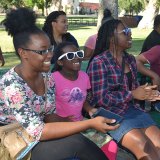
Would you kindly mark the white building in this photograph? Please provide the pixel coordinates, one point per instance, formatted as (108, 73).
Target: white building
(80, 6)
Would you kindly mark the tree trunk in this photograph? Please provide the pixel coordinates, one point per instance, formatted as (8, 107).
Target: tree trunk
(56, 5)
(112, 5)
(148, 15)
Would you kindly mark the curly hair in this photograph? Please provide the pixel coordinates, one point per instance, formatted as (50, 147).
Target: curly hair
(20, 24)
(52, 17)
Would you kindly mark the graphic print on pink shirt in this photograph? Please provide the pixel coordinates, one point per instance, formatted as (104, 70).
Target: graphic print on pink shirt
(70, 95)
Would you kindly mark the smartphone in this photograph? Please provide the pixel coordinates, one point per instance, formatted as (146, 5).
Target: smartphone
(108, 114)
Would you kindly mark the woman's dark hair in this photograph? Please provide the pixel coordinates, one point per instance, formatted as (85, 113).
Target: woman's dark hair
(52, 17)
(107, 15)
(20, 24)
(105, 33)
(58, 52)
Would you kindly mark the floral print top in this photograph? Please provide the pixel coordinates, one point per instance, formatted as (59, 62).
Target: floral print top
(19, 103)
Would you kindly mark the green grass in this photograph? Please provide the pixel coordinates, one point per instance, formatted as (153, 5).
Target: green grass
(80, 32)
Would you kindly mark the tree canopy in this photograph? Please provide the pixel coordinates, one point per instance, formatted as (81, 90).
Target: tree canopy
(132, 6)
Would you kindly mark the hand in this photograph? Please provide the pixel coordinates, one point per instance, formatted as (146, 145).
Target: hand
(102, 124)
(144, 92)
(154, 93)
(156, 81)
(92, 111)
(157, 96)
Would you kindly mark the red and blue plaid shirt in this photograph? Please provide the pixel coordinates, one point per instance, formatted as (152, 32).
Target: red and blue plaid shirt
(108, 90)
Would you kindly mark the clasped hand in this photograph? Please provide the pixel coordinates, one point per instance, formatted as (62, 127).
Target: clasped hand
(146, 92)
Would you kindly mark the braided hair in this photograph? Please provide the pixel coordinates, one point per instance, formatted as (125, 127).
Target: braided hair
(20, 24)
(105, 33)
(52, 17)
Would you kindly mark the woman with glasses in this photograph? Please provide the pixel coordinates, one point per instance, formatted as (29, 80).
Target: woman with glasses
(113, 76)
(56, 26)
(27, 96)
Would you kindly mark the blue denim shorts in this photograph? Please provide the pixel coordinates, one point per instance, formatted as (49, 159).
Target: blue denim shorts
(133, 118)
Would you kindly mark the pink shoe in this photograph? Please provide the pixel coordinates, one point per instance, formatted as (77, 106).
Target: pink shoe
(110, 149)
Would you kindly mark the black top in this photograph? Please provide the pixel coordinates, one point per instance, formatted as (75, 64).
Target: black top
(129, 77)
(152, 40)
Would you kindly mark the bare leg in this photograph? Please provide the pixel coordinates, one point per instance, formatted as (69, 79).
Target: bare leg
(140, 145)
(153, 133)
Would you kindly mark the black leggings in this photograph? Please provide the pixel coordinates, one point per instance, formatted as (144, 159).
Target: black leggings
(75, 146)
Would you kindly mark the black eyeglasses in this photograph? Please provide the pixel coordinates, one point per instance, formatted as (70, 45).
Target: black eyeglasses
(72, 55)
(126, 31)
(41, 52)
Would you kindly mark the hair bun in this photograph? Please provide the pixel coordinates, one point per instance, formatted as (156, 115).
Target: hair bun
(19, 20)
(107, 13)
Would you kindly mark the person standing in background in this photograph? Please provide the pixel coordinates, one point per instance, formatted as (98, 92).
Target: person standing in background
(56, 27)
(153, 38)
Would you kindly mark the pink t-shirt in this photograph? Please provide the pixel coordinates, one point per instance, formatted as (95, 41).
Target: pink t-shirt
(91, 42)
(70, 95)
(153, 57)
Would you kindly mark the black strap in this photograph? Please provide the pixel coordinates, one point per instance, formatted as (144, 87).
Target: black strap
(123, 67)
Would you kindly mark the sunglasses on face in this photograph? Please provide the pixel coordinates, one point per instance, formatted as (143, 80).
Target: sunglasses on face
(126, 31)
(41, 52)
(72, 55)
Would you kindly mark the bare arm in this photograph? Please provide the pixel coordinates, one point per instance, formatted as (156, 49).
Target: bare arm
(88, 52)
(141, 60)
(62, 129)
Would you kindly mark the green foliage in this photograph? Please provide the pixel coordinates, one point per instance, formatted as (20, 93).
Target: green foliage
(10, 3)
(158, 3)
(39, 3)
(6, 4)
(132, 6)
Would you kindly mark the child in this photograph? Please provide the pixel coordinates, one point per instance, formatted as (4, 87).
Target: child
(71, 87)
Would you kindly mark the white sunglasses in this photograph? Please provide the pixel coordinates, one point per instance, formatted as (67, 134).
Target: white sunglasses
(126, 31)
(72, 55)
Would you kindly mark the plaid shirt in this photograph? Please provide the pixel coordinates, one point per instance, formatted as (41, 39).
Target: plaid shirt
(107, 90)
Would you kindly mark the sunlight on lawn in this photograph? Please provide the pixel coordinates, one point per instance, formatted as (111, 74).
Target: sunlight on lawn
(81, 33)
